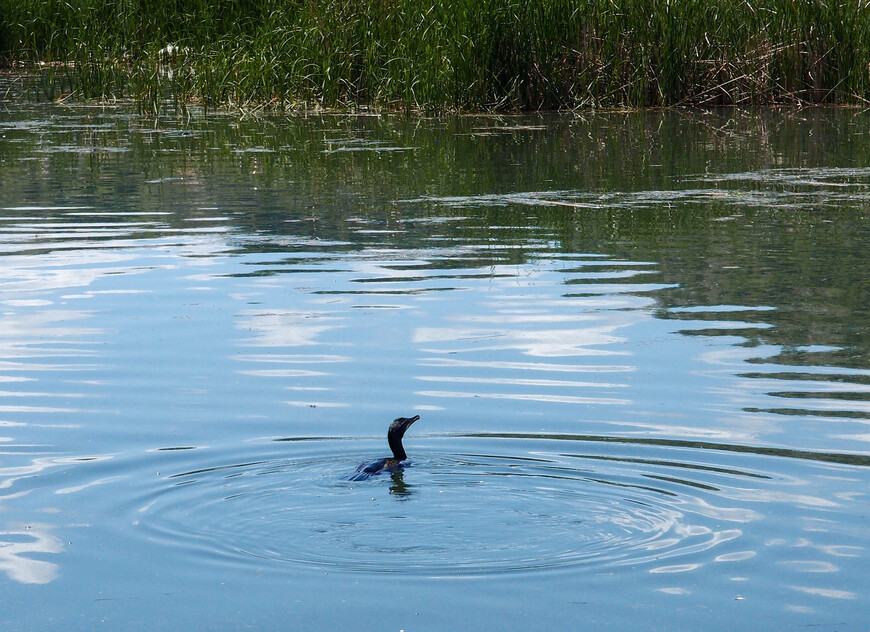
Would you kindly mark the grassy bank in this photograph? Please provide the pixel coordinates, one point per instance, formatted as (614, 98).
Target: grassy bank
(435, 55)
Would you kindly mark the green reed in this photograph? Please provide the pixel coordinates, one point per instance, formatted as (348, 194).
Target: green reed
(436, 55)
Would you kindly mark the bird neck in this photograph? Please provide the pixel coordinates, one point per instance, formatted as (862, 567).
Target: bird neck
(395, 442)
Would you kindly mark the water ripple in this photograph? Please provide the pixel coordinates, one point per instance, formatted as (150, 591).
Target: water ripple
(448, 514)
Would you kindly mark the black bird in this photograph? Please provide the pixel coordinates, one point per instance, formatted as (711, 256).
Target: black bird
(390, 464)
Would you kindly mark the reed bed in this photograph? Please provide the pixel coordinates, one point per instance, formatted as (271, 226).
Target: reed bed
(433, 56)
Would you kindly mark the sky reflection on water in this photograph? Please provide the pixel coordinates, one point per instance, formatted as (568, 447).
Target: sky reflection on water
(643, 390)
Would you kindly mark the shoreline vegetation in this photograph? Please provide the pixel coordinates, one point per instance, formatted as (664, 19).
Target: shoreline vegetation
(435, 56)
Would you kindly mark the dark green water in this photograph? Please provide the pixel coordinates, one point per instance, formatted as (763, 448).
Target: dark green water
(638, 344)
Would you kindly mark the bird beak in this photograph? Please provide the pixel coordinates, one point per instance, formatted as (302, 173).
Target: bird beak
(413, 419)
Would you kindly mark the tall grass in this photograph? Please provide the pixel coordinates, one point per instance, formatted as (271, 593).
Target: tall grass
(435, 55)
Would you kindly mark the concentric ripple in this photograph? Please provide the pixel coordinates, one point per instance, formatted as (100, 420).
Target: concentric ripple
(446, 514)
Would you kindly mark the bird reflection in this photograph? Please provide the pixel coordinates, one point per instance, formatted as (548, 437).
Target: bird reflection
(398, 487)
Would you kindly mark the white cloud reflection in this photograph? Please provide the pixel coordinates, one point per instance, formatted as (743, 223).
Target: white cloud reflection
(286, 328)
(534, 342)
(16, 544)
(824, 592)
(537, 397)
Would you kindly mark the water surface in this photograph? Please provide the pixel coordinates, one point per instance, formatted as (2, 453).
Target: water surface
(638, 344)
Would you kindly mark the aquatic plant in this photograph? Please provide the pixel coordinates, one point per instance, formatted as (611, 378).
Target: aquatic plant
(435, 55)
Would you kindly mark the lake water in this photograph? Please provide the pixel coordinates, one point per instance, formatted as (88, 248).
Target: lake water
(639, 345)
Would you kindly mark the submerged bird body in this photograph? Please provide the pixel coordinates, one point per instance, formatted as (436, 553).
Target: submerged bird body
(395, 462)
(376, 467)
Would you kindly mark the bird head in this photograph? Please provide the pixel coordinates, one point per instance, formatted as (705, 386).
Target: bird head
(400, 425)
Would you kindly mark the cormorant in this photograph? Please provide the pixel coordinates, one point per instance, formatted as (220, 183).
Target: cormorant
(390, 464)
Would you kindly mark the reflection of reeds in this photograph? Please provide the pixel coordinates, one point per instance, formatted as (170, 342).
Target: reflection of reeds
(434, 55)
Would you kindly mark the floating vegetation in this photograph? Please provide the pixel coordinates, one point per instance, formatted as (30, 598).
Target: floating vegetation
(437, 55)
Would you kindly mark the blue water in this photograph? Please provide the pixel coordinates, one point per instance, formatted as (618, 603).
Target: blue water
(638, 345)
